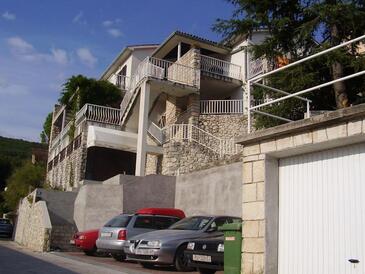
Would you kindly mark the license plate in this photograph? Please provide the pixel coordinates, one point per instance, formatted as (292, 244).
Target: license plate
(202, 258)
(72, 242)
(144, 252)
(106, 234)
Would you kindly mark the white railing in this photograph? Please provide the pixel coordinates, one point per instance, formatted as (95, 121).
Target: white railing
(221, 67)
(93, 113)
(160, 69)
(256, 67)
(221, 106)
(121, 81)
(189, 132)
(156, 132)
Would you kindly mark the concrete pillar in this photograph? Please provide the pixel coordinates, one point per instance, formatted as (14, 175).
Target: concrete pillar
(142, 129)
(178, 51)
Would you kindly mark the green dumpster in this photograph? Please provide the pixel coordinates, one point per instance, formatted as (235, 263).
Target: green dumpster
(232, 247)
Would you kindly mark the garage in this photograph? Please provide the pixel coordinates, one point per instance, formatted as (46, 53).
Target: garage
(322, 212)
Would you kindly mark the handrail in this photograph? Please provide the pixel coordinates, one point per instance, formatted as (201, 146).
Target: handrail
(93, 113)
(220, 67)
(121, 81)
(160, 69)
(221, 106)
(189, 132)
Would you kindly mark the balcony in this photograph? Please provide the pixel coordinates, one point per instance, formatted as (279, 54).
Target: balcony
(89, 112)
(121, 81)
(220, 67)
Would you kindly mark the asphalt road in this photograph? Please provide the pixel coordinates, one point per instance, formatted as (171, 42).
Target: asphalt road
(19, 260)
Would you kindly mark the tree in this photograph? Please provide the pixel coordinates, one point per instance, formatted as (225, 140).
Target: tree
(79, 90)
(24, 180)
(47, 125)
(298, 29)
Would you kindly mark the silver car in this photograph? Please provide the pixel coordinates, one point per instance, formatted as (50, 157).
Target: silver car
(113, 236)
(167, 246)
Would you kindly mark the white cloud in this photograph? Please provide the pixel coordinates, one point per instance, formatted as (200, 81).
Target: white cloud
(26, 52)
(8, 16)
(115, 32)
(107, 23)
(60, 56)
(19, 45)
(86, 57)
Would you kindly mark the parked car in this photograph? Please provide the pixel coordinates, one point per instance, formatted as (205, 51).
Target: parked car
(113, 236)
(166, 247)
(6, 228)
(207, 255)
(86, 241)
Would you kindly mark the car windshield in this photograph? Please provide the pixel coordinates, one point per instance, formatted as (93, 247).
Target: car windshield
(192, 223)
(119, 221)
(4, 221)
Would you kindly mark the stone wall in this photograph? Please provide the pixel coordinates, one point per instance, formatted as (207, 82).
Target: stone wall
(70, 168)
(33, 227)
(224, 126)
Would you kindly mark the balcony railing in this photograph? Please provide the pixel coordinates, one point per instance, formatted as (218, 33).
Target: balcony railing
(93, 113)
(189, 132)
(257, 66)
(121, 81)
(160, 69)
(220, 67)
(221, 106)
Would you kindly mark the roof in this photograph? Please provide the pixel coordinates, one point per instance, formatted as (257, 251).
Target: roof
(162, 211)
(122, 56)
(202, 42)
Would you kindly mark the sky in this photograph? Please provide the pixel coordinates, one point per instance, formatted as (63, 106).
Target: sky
(43, 43)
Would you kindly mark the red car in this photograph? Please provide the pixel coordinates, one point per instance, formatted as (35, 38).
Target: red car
(86, 241)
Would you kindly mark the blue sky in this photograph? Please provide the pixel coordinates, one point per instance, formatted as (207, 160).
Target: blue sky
(42, 43)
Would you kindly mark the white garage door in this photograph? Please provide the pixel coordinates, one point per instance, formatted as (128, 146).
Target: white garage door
(322, 212)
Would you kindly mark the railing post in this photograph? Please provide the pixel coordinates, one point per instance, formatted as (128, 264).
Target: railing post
(249, 106)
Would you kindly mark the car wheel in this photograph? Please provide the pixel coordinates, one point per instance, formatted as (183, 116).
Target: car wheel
(181, 261)
(118, 257)
(206, 271)
(146, 265)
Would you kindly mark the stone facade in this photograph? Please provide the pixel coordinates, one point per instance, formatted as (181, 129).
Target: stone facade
(224, 126)
(262, 151)
(33, 227)
(67, 168)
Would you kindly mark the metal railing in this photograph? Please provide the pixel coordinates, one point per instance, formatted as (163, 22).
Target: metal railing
(121, 81)
(156, 132)
(221, 67)
(93, 113)
(221, 106)
(189, 132)
(256, 67)
(160, 69)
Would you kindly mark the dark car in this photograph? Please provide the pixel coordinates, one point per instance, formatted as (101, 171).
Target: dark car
(207, 255)
(166, 247)
(6, 228)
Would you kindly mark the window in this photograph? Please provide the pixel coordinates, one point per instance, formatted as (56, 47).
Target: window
(192, 223)
(223, 220)
(154, 222)
(164, 222)
(119, 221)
(144, 222)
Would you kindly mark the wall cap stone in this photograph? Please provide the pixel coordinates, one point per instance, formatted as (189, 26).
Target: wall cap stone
(318, 121)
